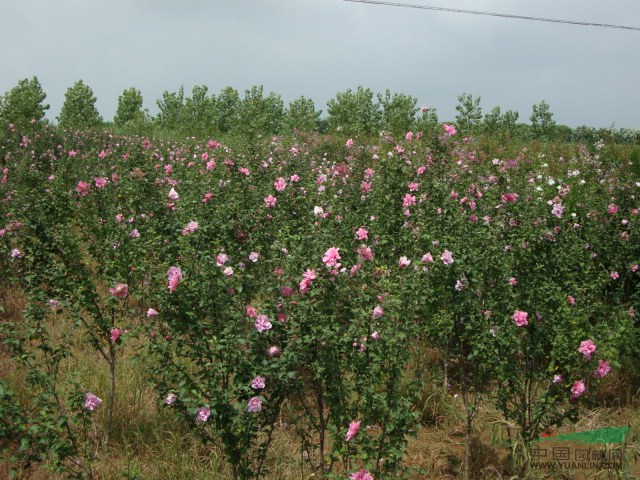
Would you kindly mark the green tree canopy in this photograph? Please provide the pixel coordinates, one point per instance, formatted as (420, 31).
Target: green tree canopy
(79, 110)
(23, 104)
(354, 113)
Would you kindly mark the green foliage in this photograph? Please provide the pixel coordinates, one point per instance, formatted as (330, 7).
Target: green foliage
(301, 115)
(172, 110)
(398, 112)
(497, 122)
(354, 113)
(227, 109)
(469, 113)
(79, 110)
(23, 106)
(129, 112)
(199, 113)
(543, 126)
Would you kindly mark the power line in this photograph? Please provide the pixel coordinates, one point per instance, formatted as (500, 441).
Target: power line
(503, 15)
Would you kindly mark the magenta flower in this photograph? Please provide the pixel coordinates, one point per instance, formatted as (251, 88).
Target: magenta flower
(254, 256)
(408, 200)
(361, 475)
(174, 276)
(378, 311)
(509, 197)
(349, 143)
(115, 335)
(202, 414)
(403, 262)
(15, 253)
(362, 234)
(587, 349)
(603, 369)
(365, 253)
(120, 290)
(614, 275)
(571, 300)
(254, 405)
(353, 430)
(447, 257)
(270, 201)
(331, 257)
(577, 390)
(274, 351)
(82, 188)
(134, 233)
(152, 313)
(557, 378)
(91, 402)
(191, 227)
(427, 258)
(280, 184)
(513, 282)
(170, 399)
(221, 259)
(557, 210)
(613, 209)
(228, 272)
(258, 383)
(262, 323)
(100, 182)
(520, 318)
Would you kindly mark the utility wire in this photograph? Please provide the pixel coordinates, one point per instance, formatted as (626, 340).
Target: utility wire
(503, 15)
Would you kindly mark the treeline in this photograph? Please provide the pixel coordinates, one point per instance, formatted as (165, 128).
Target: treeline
(256, 113)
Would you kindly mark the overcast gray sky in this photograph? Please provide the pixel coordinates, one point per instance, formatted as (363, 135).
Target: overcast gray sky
(317, 48)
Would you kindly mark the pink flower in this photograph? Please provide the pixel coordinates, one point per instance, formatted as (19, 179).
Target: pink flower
(447, 257)
(557, 378)
(449, 130)
(361, 475)
(362, 234)
(520, 318)
(587, 349)
(603, 369)
(100, 182)
(258, 383)
(613, 209)
(115, 335)
(615, 275)
(254, 256)
(509, 197)
(120, 290)
(262, 323)
(409, 136)
(15, 253)
(152, 313)
(82, 188)
(403, 262)
(427, 258)
(274, 351)
(365, 253)
(134, 233)
(331, 257)
(378, 311)
(557, 210)
(173, 195)
(353, 430)
(91, 402)
(191, 227)
(170, 399)
(270, 201)
(375, 335)
(571, 300)
(408, 200)
(206, 197)
(254, 405)
(577, 389)
(221, 259)
(513, 282)
(459, 285)
(174, 275)
(202, 414)
(280, 184)
(349, 143)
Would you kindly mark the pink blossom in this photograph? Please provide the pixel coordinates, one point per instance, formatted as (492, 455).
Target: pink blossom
(134, 233)
(409, 136)
(191, 227)
(361, 475)
(280, 184)
(221, 259)
(459, 285)
(228, 272)
(100, 182)
(520, 318)
(170, 399)
(413, 186)
(174, 276)
(72, 154)
(571, 300)
(349, 143)
(557, 210)
(509, 197)
(365, 253)
(274, 351)
(251, 311)
(362, 234)
(449, 130)
(262, 323)
(378, 311)
(270, 201)
(82, 188)
(254, 405)
(513, 282)
(447, 257)
(427, 258)
(408, 200)
(15, 253)
(331, 257)
(353, 430)
(587, 349)
(403, 262)
(254, 256)
(202, 414)
(120, 290)
(603, 369)
(557, 378)
(376, 335)
(614, 275)
(258, 383)
(173, 195)
(577, 390)
(91, 402)
(613, 209)
(152, 313)
(115, 335)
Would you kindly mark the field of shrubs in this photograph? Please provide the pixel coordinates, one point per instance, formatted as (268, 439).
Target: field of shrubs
(312, 305)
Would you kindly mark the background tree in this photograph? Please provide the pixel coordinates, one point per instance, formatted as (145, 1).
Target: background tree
(301, 115)
(171, 107)
(129, 107)
(469, 113)
(24, 104)
(354, 113)
(543, 125)
(427, 123)
(398, 112)
(503, 123)
(199, 112)
(79, 108)
(259, 114)
(226, 109)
